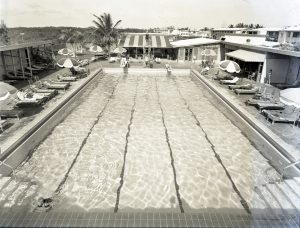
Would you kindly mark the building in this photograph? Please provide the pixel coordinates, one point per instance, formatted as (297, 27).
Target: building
(140, 44)
(17, 59)
(218, 33)
(191, 49)
(285, 64)
(290, 35)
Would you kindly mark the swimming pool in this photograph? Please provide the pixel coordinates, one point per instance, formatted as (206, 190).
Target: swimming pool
(142, 142)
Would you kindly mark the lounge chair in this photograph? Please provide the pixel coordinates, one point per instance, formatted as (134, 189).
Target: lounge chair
(30, 96)
(255, 100)
(48, 85)
(12, 76)
(62, 78)
(13, 113)
(233, 81)
(284, 116)
(271, 105)
(241, 86)
(112, 60)
(36, 89)
(29, 102)
(38, 67)
(58, 82)
(32, 69)
(157, 60)
(3, 124)
(254, 90)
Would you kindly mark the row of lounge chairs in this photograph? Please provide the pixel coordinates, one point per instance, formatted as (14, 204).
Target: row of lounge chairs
(38, 93)
(270, 106)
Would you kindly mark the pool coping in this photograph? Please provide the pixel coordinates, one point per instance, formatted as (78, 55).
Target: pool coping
(15, 150)
(284, 152)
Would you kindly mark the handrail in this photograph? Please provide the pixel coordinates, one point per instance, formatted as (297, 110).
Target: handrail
(288, 166)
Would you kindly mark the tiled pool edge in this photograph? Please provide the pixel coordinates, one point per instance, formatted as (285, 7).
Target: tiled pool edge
(40, 127)
(271, 146)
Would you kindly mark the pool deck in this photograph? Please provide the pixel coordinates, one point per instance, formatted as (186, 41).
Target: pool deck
(285, 135)
(21, 129)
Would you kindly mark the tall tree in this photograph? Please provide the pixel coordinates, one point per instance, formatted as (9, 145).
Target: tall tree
(106, 32)
(72, 36)
(4, 38)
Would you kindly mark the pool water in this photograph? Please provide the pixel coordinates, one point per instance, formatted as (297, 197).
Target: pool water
(142, 142)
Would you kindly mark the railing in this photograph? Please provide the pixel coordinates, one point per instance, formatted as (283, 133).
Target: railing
(288, 166)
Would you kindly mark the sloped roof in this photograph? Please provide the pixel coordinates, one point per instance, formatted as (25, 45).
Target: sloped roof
(139, 41)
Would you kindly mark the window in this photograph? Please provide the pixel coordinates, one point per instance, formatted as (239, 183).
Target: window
(296, 34)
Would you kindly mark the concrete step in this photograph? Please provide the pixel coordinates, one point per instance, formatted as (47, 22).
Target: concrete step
(297, 179)
(290, 193)
(294, 185)
(280, 197)
(18, 193)
(272, 206)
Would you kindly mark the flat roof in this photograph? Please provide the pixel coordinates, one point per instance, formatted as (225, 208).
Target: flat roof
(193, 42)
(247, 56)
(265, 49)
(24, 45)
(229, 29)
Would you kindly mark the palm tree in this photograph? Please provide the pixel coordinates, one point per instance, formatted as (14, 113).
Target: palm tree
(106, 32)
(72, 36)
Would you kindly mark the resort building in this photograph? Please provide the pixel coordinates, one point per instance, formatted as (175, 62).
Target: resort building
(17, 59)
(140, 44)
(191, 49)
(252, 57)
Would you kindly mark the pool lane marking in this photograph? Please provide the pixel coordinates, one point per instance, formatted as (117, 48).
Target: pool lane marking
(60, 186)
(126, 149)
(242, 199)
(170, 149)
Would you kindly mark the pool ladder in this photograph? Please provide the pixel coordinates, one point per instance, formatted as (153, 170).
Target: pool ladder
(288, 166)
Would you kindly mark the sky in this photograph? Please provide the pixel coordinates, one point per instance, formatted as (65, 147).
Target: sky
(151, 13)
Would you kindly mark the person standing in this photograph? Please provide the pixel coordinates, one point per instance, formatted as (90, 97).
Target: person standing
(269, 75)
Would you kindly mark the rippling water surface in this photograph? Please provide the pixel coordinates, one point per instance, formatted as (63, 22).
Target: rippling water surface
(142, 142)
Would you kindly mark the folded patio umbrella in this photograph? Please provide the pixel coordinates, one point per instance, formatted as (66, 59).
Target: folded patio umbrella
(230, 66)
(67, 62)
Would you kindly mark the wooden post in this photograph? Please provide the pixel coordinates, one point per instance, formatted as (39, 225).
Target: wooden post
(21, 62)
(13, 63)
(3, 63)
(29, 61)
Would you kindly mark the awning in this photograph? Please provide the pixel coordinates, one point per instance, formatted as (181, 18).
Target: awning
(139, 41)
(247, 56)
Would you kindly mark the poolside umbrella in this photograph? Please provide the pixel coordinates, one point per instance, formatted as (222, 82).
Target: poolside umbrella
(95, 48)
(230, 66)
(67, 62)
(208, 52)
(119, 50)
(6, 90)
(65, 51)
